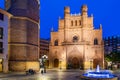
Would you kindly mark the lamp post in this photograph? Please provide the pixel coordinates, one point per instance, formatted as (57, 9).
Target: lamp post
(44, 58)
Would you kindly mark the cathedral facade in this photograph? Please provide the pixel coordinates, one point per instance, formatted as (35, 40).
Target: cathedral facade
(76, 44)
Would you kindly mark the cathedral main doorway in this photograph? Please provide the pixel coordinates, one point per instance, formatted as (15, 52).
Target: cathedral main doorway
(56, 63)
(95, 63)
(75, 63)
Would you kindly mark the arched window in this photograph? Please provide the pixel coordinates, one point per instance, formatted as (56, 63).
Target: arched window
(95, 41)
(56, 43)
(71, 23)
(75, 39)
(79, 22)
(75, 22)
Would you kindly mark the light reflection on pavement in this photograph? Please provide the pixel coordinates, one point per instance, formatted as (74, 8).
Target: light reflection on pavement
(50, 75)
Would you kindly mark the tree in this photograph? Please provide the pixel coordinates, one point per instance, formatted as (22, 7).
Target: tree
(113, 56)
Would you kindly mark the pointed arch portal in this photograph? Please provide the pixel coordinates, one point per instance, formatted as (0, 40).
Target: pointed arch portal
(56, 63)
(75, 63)
(95, 63)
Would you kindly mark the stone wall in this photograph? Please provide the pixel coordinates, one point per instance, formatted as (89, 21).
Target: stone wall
(24, 8)
(23, 65)
(23, 39)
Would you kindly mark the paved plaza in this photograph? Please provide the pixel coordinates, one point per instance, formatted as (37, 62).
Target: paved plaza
(50, 75)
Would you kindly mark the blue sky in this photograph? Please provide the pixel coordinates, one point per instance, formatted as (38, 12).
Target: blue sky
(106, 12)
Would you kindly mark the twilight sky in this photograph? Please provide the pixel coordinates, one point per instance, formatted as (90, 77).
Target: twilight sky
(105, 12)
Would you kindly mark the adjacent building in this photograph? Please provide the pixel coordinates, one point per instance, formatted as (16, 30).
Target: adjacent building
(23, 35)
(76, 44)
(112, 44)
(44, 51)
(4, 24)
(44, 47)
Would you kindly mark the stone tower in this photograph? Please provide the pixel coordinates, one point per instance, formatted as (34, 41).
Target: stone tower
(23, 34)
(76, 44)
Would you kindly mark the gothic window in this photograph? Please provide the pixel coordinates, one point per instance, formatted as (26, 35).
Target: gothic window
(71, 23)
(56, 43)
(75, 39)
(1, 16)
(79, 22)
(95, 41)
(75, 22)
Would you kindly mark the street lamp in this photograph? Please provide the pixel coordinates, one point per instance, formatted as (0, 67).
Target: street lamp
(44, 58)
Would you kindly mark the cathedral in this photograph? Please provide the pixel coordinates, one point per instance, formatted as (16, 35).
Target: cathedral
(76, 44)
